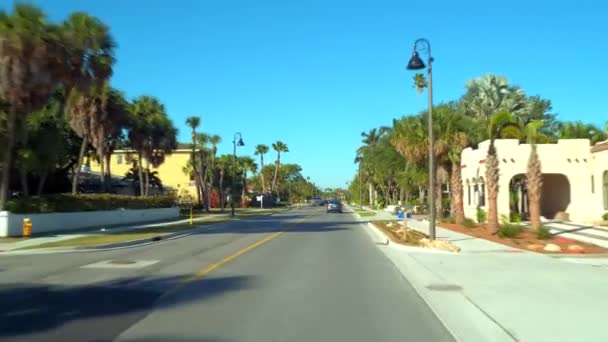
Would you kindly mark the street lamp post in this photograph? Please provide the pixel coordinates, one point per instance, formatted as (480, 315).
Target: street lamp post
(235, 143)
(416, 63)
(360, 188)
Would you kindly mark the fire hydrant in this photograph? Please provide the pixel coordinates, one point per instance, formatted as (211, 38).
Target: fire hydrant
(27, 227)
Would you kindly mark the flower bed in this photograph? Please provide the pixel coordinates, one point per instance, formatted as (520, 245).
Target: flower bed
(528, 240)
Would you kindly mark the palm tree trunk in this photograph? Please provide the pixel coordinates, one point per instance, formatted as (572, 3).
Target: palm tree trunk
(276, 171)
(457, 193)
(262, 173)
(535, 184)
(492, 178)
(147, 178)
(42, 182)
(209, 187)
(108, 158)
(243, 193)
(76, 174)
(23, 179)
(141, 174)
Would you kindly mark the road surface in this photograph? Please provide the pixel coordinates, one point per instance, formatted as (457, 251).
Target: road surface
(303, 275)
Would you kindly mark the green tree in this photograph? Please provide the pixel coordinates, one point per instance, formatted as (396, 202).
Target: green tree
(581, 130)
(193, 122)
(261, 150)
(279, 147)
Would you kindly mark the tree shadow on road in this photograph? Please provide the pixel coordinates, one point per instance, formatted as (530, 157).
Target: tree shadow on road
(97, 312)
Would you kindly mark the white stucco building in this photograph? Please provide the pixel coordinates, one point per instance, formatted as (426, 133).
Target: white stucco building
(575, 178)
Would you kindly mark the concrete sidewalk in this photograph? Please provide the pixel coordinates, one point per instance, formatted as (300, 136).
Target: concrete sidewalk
(486, 293)
(35, 241)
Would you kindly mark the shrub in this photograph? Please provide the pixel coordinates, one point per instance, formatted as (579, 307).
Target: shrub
(504, 219)
(448, 219)
(481, 215)
(86, 202)
(515, 217)
(510, 230)
(469, 223)
(605, 216)
(543, 233)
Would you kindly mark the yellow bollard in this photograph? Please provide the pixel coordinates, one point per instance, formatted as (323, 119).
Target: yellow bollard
(27, 227)
(191, 218)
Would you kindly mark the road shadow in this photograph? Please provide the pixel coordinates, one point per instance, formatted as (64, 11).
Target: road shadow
(97, 312)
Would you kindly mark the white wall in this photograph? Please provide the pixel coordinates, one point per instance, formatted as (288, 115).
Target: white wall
(11, 224)
(569, 157)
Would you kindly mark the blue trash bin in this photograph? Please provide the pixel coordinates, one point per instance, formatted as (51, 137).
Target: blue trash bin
(400, 214)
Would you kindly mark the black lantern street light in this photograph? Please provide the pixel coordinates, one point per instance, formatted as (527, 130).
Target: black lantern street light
(416, 63)
(235, 143)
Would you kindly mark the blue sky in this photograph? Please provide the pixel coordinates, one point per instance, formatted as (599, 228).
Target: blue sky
(316, 73)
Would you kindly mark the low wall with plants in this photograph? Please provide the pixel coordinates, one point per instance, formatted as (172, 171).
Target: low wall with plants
(69, 212)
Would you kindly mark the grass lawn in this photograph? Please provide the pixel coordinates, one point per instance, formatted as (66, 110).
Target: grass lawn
(146, 233)
(12, 239)
(366, 213)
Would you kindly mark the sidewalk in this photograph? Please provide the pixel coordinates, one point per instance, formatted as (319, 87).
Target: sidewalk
(489, 293)
(35, 241)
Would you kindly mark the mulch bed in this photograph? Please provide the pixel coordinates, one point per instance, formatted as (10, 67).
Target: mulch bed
(526, 238)
(395, 233)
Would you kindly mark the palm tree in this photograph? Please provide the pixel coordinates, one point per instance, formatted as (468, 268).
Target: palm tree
(490, 94)
(223, 163)
(202, 139)
(214, 140)
(28, 74)
(261, 150)
(581, 130)
(247, 165)
(90, 54)
(535, 175)
(163, 140)
(495, 125)
(193, 122)
(145, 110)
(459, 142)
(279, 147)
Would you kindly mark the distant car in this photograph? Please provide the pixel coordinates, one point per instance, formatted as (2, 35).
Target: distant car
(323, 202)
(334, 205)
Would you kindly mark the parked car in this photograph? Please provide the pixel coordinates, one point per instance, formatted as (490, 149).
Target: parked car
(334, 205)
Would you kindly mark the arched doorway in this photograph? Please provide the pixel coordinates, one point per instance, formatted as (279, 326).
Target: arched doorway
(555, 196)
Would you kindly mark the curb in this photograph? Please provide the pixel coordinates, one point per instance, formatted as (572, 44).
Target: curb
(459, 315)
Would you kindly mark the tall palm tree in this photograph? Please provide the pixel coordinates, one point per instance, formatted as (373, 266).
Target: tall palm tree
(535, 175)
(261, 150)
(163, 140)
(495, 125)
(193, 122)
(28, 74)
(279, 147)
(91, 55)
(214, 140)
(202, 139)
(459, 142)
(247, 164)
(490, 94)
(223, 163)
(581, 130)
(145, 110)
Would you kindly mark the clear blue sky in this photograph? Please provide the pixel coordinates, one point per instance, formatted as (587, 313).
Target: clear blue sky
(316, 73)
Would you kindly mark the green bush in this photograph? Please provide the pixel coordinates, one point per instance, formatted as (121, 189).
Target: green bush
(605, 216)
(504, 219)
(86, 202)
(481, 215)
(543, 233)
(515, 217)
(469, 223)
(448, 219)
(510, 230)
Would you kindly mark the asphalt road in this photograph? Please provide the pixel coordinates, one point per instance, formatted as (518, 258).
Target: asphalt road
(303, 275)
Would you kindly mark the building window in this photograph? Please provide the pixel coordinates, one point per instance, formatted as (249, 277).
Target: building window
(119, 159)
(592, 184)
(482, 196)
(605, 189)
(469, 193)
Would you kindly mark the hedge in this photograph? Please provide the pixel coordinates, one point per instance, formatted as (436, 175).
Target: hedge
(86, 202)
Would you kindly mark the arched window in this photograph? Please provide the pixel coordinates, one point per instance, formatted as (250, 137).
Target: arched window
(468, 192)
(605, 189)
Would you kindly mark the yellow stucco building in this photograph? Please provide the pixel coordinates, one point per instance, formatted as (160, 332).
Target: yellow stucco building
(171, 172)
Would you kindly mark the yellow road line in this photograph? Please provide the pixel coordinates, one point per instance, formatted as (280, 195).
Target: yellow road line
(203, 272)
